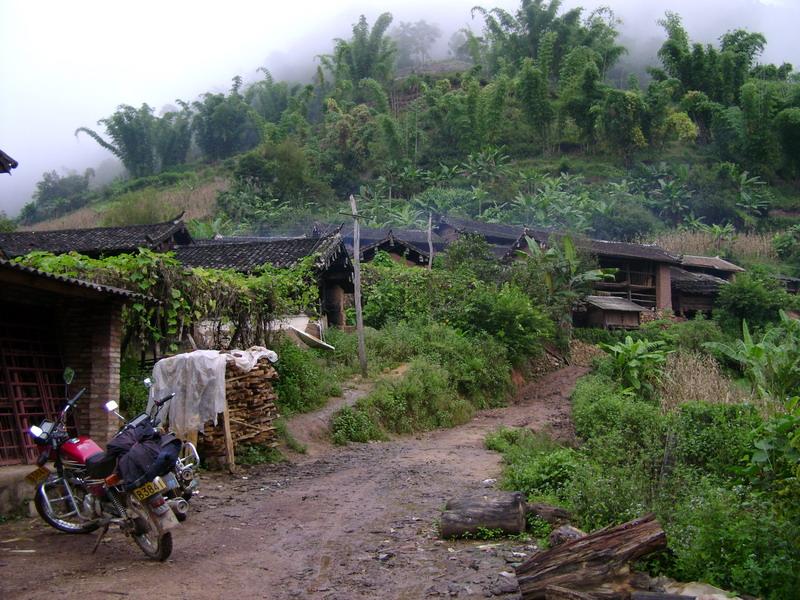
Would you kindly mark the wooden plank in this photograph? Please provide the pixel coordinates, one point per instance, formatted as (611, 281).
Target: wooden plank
(229, 451)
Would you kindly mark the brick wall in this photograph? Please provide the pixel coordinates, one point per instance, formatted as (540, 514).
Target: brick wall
(91, 341)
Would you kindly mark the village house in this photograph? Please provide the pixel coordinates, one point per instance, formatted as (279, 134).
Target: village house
(49, 322)
(332, 264)
(98, 241)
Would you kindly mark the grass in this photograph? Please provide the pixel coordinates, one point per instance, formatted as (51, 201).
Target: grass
(284, 434)
(257, 454)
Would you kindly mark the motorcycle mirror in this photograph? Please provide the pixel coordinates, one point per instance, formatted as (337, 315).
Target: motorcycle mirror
(36, 431)
(69, 375)
(111, 406)
(148, 383)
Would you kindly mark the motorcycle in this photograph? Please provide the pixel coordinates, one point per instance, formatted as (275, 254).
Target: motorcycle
(86, 493)
(184, 467)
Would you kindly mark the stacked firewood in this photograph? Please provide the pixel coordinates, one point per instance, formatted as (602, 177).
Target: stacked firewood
(251, 408)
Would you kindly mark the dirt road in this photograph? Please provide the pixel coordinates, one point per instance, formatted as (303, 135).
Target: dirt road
(347, 523)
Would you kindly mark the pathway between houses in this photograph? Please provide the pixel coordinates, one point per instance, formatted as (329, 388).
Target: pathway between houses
(350, 523)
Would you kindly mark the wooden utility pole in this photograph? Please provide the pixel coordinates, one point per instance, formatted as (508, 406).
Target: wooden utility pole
(430, 240)
(362, 348)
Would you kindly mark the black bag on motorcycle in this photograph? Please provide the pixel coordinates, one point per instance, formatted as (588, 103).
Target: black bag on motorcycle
(143, 454)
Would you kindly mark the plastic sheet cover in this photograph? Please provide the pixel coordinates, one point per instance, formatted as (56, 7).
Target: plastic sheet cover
(198, 381)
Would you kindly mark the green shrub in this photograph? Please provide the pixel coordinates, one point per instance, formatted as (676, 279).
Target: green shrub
(257, 454)
(752, 296)
(715, 437)
(736, 540)
(600, 494)
(422, 399)
(354, 425)
(542, 474)
(303, 384)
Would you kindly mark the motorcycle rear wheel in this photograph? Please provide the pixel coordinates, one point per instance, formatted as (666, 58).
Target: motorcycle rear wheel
(68, 523)
(153, 543)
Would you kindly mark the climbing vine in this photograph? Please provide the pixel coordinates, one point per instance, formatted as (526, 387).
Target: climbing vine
(175, 297)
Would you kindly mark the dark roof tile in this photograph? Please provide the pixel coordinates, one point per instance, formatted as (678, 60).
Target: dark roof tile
(97, 240)
(250, 256)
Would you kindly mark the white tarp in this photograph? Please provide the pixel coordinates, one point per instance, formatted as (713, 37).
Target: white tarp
(198, 381)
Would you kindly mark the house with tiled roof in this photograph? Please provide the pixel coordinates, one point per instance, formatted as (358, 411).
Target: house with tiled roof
(331, 262)
(49, 322)
(98, 241)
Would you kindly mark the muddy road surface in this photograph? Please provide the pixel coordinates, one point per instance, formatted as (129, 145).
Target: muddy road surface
(341, 523)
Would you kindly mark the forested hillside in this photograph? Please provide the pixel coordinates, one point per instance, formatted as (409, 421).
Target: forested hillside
(518, 125)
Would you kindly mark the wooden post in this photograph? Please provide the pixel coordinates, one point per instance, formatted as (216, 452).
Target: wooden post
(362, 348)
(229, 450)
(430, 240)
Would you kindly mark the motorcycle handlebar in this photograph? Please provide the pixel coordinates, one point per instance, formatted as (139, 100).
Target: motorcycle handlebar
(164, 400)
(76, 398)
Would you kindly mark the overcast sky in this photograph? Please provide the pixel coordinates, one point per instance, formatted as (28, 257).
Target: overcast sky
(69, 64)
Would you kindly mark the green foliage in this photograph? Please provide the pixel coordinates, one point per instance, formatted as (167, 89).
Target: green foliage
(636, 363)
(354, 425)
(225, 124)
(735, 540)
(6, 224)
(247, 303)
(132, 392)
(57, 195)
(256, 454)
(772, 364)
(303, 384)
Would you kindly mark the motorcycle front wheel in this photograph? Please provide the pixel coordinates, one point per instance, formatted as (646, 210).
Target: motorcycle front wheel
(154, 543)
(59, 510)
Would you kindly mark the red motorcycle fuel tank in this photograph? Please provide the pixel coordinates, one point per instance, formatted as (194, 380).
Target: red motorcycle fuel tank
(78, 449)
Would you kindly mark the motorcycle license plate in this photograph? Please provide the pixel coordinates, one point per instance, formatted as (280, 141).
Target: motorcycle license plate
(150, 488)
(37, 477)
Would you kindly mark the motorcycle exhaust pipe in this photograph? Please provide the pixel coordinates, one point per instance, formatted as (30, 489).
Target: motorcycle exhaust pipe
(180, 507)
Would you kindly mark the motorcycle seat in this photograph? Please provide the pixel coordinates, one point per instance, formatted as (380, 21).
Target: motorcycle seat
(100, 465)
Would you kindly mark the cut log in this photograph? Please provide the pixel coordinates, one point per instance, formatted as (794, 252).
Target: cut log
(590, 561)
(555, 592)
(555, 515)
(492, 510)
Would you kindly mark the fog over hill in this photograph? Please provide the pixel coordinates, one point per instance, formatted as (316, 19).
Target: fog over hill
(69, 65)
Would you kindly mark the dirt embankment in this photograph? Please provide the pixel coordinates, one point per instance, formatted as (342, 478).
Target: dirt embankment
(352, 523)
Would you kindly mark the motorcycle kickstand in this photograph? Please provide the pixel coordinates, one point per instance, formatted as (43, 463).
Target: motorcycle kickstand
(100, 537)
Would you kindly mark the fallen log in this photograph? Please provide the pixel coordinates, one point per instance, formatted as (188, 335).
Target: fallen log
(592, 560)
(555, 592)
(565, 533)
(493, 510)
(555, 515)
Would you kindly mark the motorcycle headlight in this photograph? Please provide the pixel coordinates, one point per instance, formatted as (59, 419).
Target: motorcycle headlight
(41, 433)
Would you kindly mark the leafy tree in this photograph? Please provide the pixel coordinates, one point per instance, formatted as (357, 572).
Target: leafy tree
(414, 42)
(787, 124)
(131, 132)
(225, 124)
(534, 96)
(369, 53)
(6, 225)
(619, 119)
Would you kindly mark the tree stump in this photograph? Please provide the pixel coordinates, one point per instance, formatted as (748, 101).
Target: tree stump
(587, 562)
(504, 511)
(565, 533)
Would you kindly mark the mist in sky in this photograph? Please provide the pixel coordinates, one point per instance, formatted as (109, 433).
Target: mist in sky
(67, 65)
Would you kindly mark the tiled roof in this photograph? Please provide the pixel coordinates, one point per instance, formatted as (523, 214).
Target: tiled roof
(250, 256)
(710, 262)
(694, 283)
(7, 163)
(93, 241)
(491, 231)
(12, 267)
(613, 303)
(609, 248)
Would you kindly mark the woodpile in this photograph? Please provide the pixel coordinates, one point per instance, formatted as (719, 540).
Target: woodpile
(251, 412)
